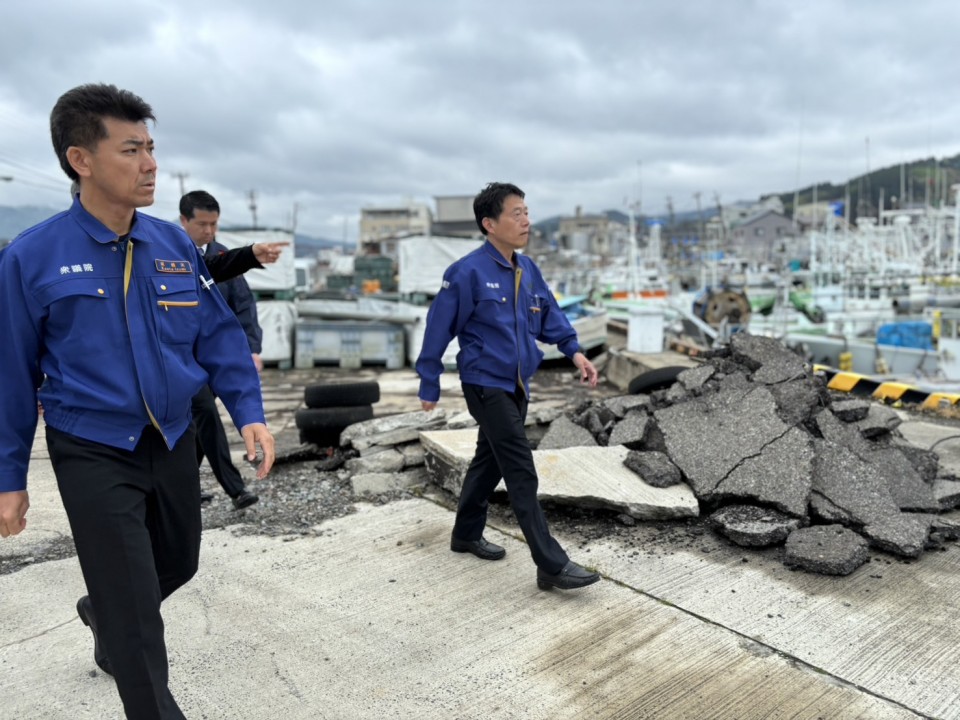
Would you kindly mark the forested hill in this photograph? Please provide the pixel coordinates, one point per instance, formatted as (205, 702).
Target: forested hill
(919, 182)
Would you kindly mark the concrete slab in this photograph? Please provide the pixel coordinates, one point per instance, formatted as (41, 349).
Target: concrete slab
(314, 627)
(378, 619)
(585, 476)
(889, 628)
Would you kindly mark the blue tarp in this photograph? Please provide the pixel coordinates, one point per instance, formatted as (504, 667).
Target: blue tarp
(913, 334)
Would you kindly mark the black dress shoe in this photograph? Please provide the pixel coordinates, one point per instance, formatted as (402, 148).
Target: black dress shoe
(245, 500)
(571, 577)
(481, 548)
(206, 498)
(85, 611)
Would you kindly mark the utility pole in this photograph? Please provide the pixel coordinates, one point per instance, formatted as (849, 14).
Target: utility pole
(181, 176)
(253, 206)
(672, 251)
(639, 199)
(723, 224)
(293, 224)
(903, 184)
(701, 241)
(696, 196)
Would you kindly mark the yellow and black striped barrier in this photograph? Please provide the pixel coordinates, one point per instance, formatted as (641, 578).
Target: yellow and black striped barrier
(887, 391)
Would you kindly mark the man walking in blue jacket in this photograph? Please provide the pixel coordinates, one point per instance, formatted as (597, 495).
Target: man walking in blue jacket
(497, 304)
(109, 322)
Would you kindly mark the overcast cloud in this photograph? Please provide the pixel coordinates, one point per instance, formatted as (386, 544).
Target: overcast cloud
(336, 106)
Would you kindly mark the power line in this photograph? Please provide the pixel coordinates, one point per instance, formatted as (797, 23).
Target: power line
(32, 170)
(61, 188)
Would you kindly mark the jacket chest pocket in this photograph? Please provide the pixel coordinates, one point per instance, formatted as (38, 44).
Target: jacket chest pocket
(177, 308)
(78, 306)
(493, 305)
(535, 307)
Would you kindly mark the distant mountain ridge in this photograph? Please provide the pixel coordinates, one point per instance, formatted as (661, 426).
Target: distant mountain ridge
(14, 220)
(909, 184)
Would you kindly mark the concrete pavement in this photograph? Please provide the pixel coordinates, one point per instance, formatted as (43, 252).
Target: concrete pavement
(376, 618)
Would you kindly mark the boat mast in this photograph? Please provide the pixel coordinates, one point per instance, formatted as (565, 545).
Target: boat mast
(633, 250)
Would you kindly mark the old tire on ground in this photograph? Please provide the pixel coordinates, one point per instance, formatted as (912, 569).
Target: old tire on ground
(655, 379)
(332, 418)
(341, 394)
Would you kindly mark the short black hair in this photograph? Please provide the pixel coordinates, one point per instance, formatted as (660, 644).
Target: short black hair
(489, 202)
(198, 200)
(77, 117)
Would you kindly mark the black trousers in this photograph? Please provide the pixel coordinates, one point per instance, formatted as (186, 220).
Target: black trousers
(212, 442)
(135, 517)
(504, 451)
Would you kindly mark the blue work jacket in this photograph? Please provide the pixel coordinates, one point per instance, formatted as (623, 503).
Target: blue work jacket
(497, 312)
(101, 364)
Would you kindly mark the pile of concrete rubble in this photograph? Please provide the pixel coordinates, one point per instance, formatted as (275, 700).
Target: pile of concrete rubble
(751, 438)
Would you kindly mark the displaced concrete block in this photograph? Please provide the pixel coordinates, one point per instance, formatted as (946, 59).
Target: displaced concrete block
(852, 410)
(825, 549)
(797, 401)
(413, 454)
(676, 393)
(460, 421)
(751, 526)
(366, 484)
(848, 489)
(543, 414)
(947, 493)
(392, 429)
(598, 420)
(781, 475)
(386, 461)
(564, 433)
(595, 477)
(904, 534)
(630, 430)
(448, 455)
(925, 462)
(591, 477)
(907, 488)
(709, 436)
(766, 358)
(838, 432)
(695, 378)
(942, 531)
(880, 420)
(623, 404)
(655, 468)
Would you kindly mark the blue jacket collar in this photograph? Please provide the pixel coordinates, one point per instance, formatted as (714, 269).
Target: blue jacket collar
(497, 257)
(100, 232)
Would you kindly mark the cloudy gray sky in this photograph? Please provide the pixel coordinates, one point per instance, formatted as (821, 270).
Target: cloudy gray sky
(334, 106)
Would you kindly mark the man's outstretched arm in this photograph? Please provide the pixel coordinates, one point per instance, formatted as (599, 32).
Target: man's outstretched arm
(229, 264)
